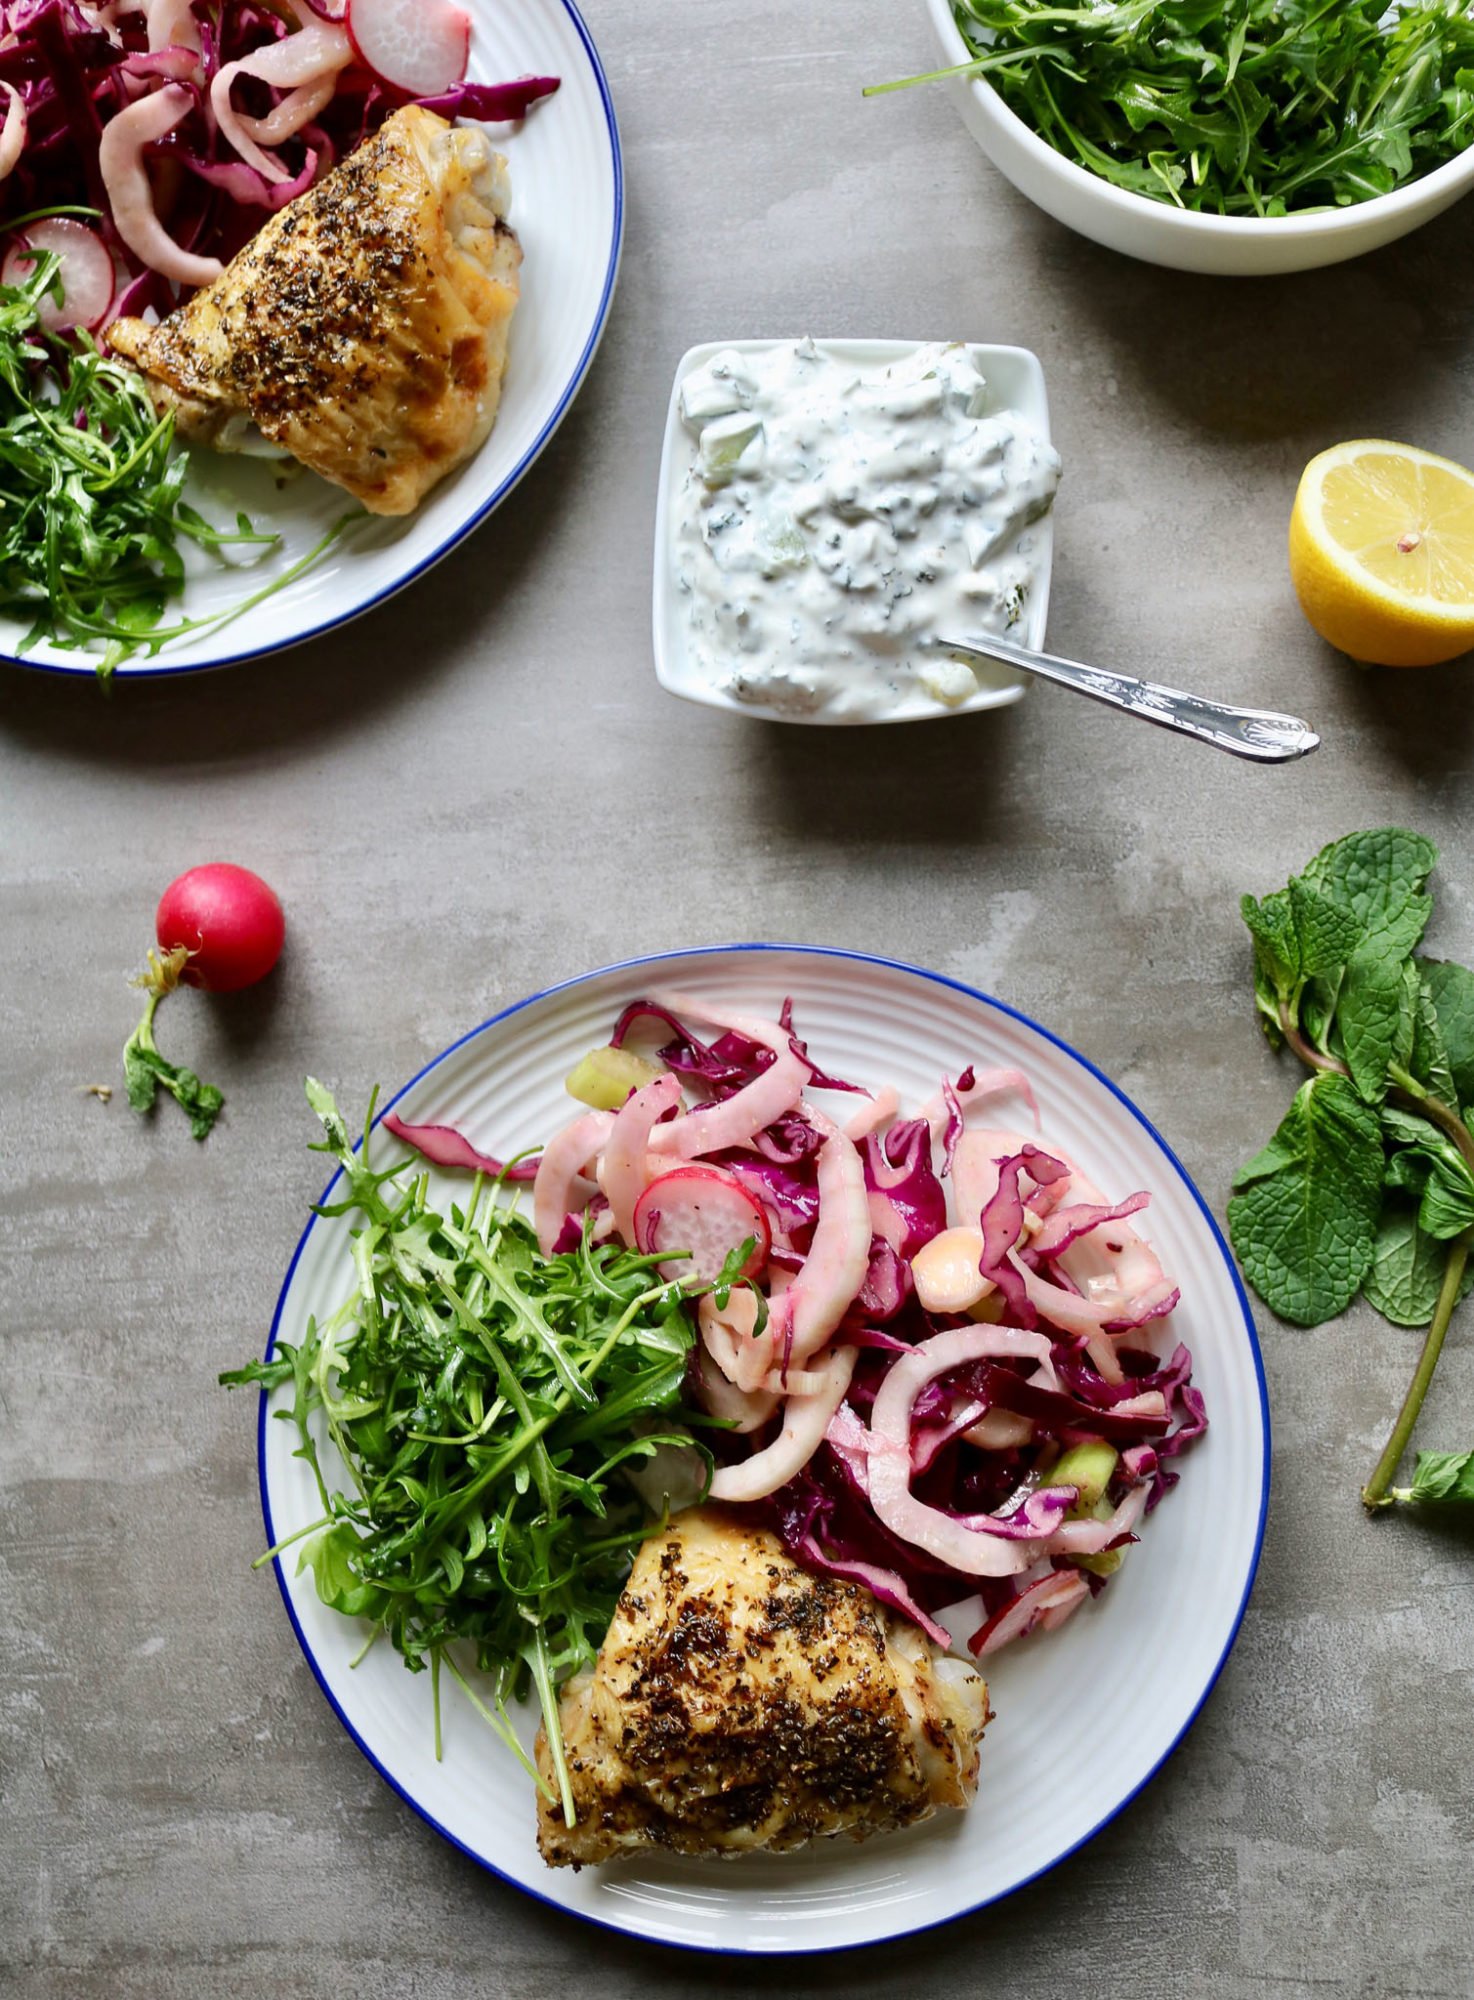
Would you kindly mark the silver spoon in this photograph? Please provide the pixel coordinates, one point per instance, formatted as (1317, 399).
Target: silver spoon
(1256, 733)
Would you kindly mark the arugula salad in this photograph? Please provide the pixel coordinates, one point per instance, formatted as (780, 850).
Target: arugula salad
(486, 1401)
(1235, 107)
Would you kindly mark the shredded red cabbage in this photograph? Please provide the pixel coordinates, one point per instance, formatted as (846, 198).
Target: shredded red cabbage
(76, 73)
(899, 1173)
(444, 1146)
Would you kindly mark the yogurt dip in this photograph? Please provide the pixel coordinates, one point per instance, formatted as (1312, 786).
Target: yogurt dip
(835, 523)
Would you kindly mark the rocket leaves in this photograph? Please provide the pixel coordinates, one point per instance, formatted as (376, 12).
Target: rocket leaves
(488, 1406)
(1368, 1185)
(1234, 107)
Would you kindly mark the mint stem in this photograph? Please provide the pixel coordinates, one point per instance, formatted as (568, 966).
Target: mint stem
(1374, 1494)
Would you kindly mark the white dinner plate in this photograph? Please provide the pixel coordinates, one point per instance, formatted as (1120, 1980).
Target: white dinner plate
(1085, 1715)
(1015, 381)
(568, 210)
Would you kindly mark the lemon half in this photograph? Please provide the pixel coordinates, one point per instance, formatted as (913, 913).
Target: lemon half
(1382, 552)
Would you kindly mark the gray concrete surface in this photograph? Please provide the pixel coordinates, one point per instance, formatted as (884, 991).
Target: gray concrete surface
(483, 790)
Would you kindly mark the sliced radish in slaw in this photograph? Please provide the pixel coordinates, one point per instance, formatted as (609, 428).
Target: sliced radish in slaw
(87, 275)
(419, 47)
(696, 1217)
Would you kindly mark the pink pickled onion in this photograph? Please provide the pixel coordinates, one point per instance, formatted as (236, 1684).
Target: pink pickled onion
(969, 1549)
(13, 132)
(130, 195)
(314, 52)
(838, 1260)
(564, 1158)
(626, 1164)
(805, 1420)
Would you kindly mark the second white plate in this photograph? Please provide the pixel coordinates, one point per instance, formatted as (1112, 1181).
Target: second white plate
(568, 209)
(1084, 1716)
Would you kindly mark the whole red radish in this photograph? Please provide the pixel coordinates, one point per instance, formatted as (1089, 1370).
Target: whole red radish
(228, 920)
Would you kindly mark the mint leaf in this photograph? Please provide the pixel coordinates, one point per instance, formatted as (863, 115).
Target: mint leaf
(1451, 990)
(1428, 1057)
(1379, 876)
(1276, 945)
(1375, 1016)
(1327, 933)
(1304, 1217)
(1407, 1270)
(1431, 1169)
(1318, 1005)
(1441, 1476)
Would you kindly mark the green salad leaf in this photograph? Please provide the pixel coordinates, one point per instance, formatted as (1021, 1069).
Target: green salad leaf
(1368, 1185)
(93, 521)
(497, 1415)
(1234, 107)
(1440, 1476)
(1304, 1217)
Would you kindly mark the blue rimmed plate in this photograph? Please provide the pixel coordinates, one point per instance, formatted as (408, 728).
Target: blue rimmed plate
(1085, 1716)
(568, 208)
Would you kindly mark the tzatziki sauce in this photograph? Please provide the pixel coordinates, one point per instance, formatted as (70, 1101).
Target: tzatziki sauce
(837, 522)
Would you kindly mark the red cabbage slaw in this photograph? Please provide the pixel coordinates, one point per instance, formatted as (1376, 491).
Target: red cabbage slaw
(185, 123)
(950, 1373)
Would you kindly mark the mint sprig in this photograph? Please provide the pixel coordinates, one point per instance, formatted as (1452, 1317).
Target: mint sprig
(1367, 1188)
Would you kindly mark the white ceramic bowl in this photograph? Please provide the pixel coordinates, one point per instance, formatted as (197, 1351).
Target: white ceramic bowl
(1222, 245)
(1015, 382)
(1085, 1715)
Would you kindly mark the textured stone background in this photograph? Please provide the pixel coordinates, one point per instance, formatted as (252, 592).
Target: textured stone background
(482, 790)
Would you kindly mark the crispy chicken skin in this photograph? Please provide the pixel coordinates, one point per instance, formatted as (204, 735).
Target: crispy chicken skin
(364, 329)
(740, 1703)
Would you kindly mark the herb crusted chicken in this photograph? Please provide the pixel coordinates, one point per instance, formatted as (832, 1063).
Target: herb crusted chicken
(364, 329)
(740, 1703)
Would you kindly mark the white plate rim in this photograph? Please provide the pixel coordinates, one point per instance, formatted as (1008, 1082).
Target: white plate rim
(861, 958)
(865, 351)
(86, 666)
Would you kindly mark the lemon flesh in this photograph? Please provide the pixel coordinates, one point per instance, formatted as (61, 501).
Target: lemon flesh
(1382, 553)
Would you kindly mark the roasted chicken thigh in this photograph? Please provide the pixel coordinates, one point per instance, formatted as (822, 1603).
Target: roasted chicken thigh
(740, 1703)
(364, 329)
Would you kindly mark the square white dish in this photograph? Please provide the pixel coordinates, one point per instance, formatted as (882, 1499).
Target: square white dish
(1015, 381)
